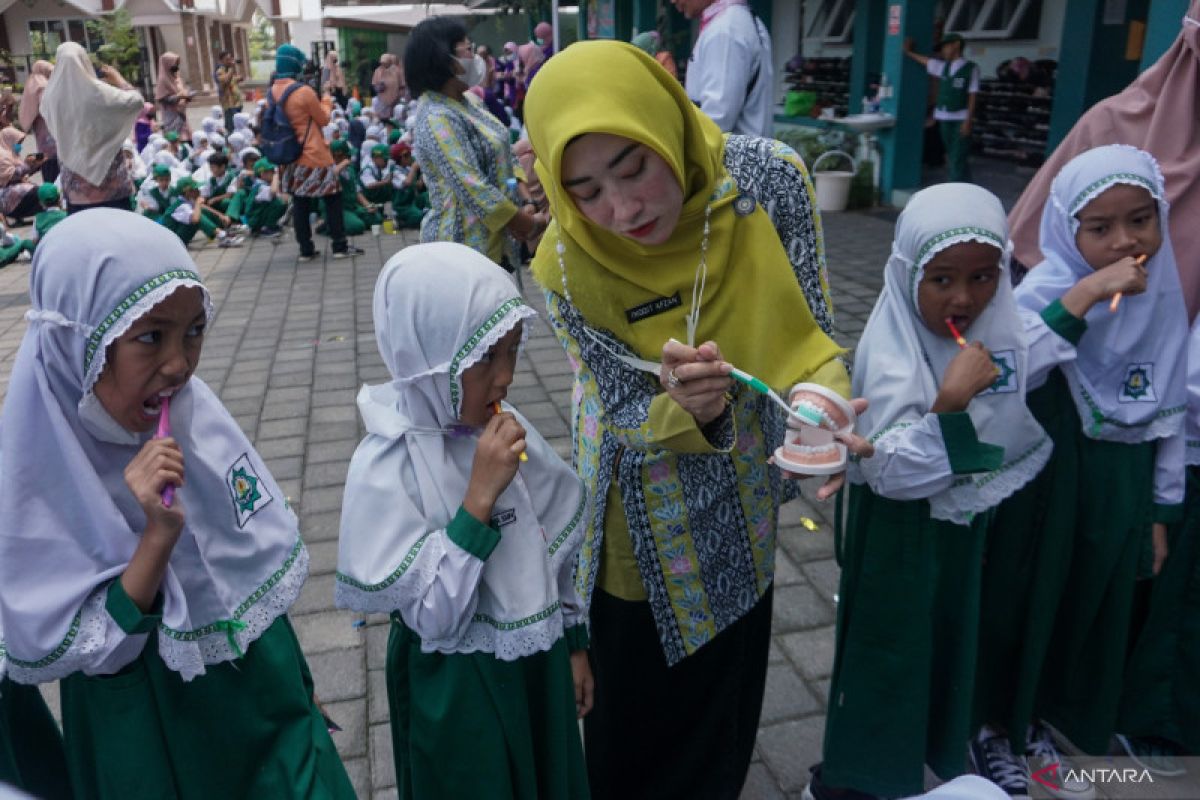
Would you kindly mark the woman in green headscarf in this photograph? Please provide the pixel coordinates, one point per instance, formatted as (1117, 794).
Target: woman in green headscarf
(662, 233)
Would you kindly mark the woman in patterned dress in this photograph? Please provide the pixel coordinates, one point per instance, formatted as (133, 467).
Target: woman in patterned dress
(662, 226)
(463, 150)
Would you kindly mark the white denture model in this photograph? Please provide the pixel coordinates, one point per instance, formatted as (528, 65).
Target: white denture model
(810, 446)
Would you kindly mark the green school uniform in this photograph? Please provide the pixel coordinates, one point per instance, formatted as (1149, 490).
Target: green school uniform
(239, 204)
(184, 230)
(31, 748)
(904, 665)
(356, 219)
(246, 728)
(373, 174)
(953, 94)
(164, 201)
(45, 220)
(470, 725)
(1058, 582)
(220, 187)
(9, 254)
(406, 204)
(261, 214)
(1162, 680)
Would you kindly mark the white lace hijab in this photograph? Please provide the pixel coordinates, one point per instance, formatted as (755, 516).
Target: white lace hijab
(1129, 378)
(899, 363)
(439, 308)
(69, 525)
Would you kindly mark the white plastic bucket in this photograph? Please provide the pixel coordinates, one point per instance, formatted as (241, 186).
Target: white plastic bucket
(833, 186)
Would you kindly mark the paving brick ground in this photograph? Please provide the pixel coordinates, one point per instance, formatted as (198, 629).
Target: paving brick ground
(291, 344)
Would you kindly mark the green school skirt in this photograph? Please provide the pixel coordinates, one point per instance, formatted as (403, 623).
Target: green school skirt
(246, 728)
(904, 666)
(468, 726)
(1162, 679)
(1059, 574)
(31, 748)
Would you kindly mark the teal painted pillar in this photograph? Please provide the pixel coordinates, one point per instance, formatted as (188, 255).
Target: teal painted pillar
(623, 19)
(1096, 53)
(1162, 28)
(901, 145)
(870, 24)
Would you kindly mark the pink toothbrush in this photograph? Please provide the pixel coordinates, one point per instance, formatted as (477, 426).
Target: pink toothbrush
(164, 429)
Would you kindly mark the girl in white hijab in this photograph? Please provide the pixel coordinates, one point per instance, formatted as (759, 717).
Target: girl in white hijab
(469, 549)
(953, 438)
(1060, 574)
(163, 618)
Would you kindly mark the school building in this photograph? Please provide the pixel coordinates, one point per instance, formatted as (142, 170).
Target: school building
(198, 30)
(848, 47)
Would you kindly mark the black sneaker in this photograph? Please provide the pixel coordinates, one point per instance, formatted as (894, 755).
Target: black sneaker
(304, 258)
(816, 790)
(269, 231)
(993, 759)
(350, 252)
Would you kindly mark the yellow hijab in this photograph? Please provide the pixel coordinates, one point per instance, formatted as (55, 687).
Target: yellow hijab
(752, 304)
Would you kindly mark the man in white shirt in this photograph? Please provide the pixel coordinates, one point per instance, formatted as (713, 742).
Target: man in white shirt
(958, 83)
(730, 75)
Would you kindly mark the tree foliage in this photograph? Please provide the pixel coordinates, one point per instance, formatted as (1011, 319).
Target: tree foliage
(120, 46)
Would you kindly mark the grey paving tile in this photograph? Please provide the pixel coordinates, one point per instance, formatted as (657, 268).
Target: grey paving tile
(322, 560)
(786, 696)
(760, 785)
(326, 630)
(811, 651)
(789, 748)
(377, 636)
(359, 770)
(340, 675)
(383, 773)
(377, 705)
(823, 575)
(799, 607)
(320, 527)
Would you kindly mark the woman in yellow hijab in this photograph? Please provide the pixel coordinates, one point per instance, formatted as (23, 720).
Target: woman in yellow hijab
(662, 236)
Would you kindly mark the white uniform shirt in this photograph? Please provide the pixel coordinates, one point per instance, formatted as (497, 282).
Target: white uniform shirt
(732, 46)
(935, 67)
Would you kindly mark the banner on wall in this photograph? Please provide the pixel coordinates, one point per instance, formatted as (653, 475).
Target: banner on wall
(601, 19)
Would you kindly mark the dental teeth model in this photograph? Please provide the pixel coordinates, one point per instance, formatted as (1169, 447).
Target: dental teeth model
(810, 446)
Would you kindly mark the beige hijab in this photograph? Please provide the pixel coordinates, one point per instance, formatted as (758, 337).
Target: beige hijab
(10, 162)
(391, 75)
(31, 98)
(90, 119)
(169, 84)
(1157, 113)
(336, 79)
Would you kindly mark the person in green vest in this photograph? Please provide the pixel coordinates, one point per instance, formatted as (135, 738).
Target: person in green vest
(243, 183)
(218, 189)
(265, 209)
(51, 213)
(958, 84)
(155, 194)
(186, 215)
(358, 213)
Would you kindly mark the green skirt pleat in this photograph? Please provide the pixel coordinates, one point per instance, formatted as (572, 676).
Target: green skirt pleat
(1025, 568)
(247, 728)
(31, 748)
(471, 726)
(1162, 680)
(1058, 585)
(904, 665)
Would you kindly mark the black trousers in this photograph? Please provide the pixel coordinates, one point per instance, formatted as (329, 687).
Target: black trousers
(50, 170)
(303, 206)
(28, 207)
(229, 112)
(686, 731)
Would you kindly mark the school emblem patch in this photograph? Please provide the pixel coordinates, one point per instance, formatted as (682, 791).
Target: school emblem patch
(1138, 386)
(1006, 373)
(249, 492)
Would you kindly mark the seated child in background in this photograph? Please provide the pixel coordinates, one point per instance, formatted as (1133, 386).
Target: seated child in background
(376, 177)
(186, 215)
(11, 246)
(410, 201)
(358, 214)
(243, 183)
(155, 194)
(218, 189)
(265, 208)
(52, 212)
